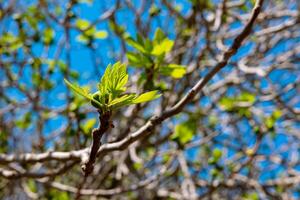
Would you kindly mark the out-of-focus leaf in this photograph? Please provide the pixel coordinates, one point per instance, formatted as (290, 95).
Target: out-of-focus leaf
(245, 99)
(24, 122)
(154, 10)
(88, 125)
(217, 153)
(138, 60)
(100, 35)
(82, 24)
(250, 196)
(184, 132)
(138, 46)
(159, 36)
(215, 156)
(174, 70)
(48, 35)
(163, 47)
(82, 38)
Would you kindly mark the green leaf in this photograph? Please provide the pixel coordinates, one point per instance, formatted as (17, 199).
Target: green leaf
(82, 38)
(133, 58)
(137, 166)
(82, 24)
(234, 103)
(214, 172)
(154, 10)
(215, 157)
(174, 70)
(184, 132)
(120, 30)
(212, 120)
(158, 36)
(88, 125)
(138, 46)
(148, 96)
(250, 196)
(227, 103)
(90, 32)
(122, 101)
(10, 40)
(138, 60)
(100, 35)
(110, 89)
(247, 97)
(77, 89)
(114, 80)
(217, 154)
(82, 92)
(48, 35)
(148, 45)
(32, 185)
(25, 121)
(271, 120)
(163, 47)
(276, 114)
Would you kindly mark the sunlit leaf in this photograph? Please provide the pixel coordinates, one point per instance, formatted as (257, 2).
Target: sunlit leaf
(122, 101)
(100, 35)
(164, 47)
(82, 24)
(184, 132)
(88, 125)
(48, 35)
(78, 90)
(217, 153)
(114, 80)
(174, 70)
(148, 96)
(243, 100)
(81, 91)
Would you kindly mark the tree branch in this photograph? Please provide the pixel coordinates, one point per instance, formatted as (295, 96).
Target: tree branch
(97, 134)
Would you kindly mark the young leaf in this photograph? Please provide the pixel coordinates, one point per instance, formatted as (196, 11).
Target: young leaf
(82, 24)
(138, 60)
(174, 70)
(164, 47)
(88, 125)
(138, 46)
(82, 92)
(217, 154)
(110, 88)
(184, 132)
(158, 36)
(100, 35)
(114, 80)
(148, 96)
(48, 35)
(122, 101)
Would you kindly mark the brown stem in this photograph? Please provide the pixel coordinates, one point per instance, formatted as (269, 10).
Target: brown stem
(97, 134)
